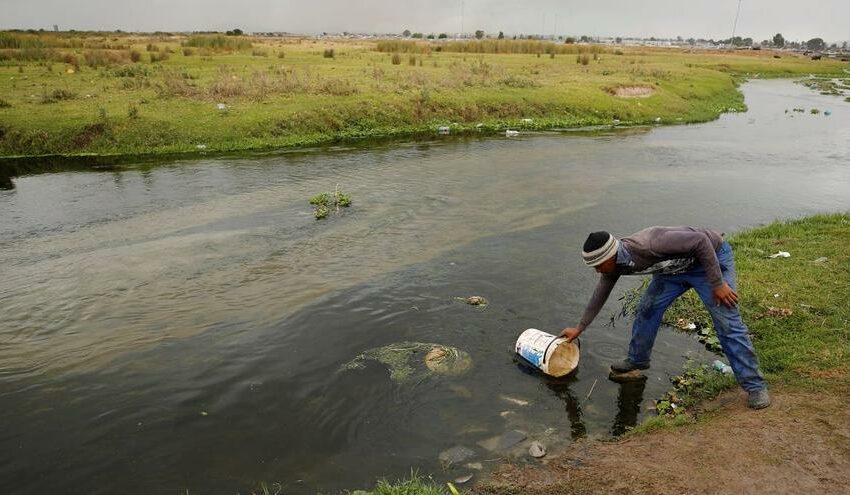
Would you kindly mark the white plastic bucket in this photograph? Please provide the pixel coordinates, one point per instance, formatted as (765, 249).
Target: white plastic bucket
(550, 354)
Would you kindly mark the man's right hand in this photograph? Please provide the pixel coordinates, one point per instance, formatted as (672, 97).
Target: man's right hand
(570, 333)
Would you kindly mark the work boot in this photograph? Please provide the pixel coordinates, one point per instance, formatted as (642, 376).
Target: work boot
(758, 399)
(625, 366)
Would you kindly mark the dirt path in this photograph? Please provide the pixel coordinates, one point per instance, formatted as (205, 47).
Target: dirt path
(801, 444)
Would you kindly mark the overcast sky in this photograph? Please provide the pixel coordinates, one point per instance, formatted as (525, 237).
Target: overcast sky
(795, 19)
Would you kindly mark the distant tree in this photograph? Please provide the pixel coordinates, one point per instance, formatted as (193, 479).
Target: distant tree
(501, 35)
(692, 41)
(833, 46)
(618, 40)
(479, 34)
(443, 36)
(651, 38)
(406, 33)
(570, 40)
(585, 39)
(779, 40)
(844, 45)
(679, 39)
(747, 42)
(431, 36)
(418, 36)
(816, 44)
(234, 32)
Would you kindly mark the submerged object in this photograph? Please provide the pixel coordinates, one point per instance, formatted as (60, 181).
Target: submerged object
(550, 354)
(536, 450)
(407, 360)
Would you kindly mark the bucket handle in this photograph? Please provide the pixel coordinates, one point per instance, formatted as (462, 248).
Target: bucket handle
(546, 351)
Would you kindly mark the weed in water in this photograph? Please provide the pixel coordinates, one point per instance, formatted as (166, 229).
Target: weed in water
(133, 112)
(135, 56)
(327, 202)
(396, 59)
(329, 53)
(5, 104)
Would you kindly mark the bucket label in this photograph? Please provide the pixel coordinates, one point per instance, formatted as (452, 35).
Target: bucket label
(532, 345)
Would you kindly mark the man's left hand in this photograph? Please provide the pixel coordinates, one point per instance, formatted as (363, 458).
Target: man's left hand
(726, 296)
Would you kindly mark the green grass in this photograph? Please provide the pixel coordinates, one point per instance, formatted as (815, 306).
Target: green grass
(808, 349)
(414, 485)
(297, 96)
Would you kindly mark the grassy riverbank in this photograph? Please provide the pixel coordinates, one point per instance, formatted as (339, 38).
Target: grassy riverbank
(798, 313)
(140, 95)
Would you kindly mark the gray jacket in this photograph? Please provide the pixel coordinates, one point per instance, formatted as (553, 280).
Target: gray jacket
(651, 251)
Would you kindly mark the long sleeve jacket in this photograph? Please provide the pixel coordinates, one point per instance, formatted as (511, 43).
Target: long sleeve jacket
(660, 250)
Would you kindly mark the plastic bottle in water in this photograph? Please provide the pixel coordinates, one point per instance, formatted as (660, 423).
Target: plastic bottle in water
(721, 367)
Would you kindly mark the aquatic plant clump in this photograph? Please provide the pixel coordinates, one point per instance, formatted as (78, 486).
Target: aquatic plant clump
(415, 360)
(327, 202)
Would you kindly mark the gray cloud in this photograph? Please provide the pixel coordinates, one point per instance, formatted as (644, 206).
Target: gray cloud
(663, 18)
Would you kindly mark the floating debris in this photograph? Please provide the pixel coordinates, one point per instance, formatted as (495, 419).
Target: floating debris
(473, 300)
(506, 414)
(822, 259)
(657, 120)
(827, 113)
(527, 121)
(684, 324)
(444, 130)
(536, 450)
(722, 367)
(780, 254)
(400, 359)
(455, 455)
(447, 361)
(514, 400)
(510, 133)
(201, 146)
(463, 479)
(475, 465)
(504, 441)
(222, 108)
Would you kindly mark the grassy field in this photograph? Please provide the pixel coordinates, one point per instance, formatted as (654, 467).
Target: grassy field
(82, 94)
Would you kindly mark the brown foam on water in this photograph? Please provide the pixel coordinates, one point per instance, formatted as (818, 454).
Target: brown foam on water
(563, 359)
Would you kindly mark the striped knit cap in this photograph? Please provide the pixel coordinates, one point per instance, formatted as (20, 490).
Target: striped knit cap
(598, 247)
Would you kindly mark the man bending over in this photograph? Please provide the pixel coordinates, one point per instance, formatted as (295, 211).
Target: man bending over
(679, 258)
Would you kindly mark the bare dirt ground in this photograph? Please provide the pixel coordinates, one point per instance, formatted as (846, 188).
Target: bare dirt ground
(801, 444)
(633, 91)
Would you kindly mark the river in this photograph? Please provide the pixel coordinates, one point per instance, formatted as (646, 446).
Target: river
(181, 328)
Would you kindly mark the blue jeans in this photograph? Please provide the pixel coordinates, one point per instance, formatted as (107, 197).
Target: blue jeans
(731, 331)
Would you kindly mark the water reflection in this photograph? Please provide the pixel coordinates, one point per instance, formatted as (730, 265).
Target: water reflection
(6, 182)
(629, 400)
(563, 389)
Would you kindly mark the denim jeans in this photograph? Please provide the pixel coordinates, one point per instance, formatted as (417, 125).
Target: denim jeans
(731, 331)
